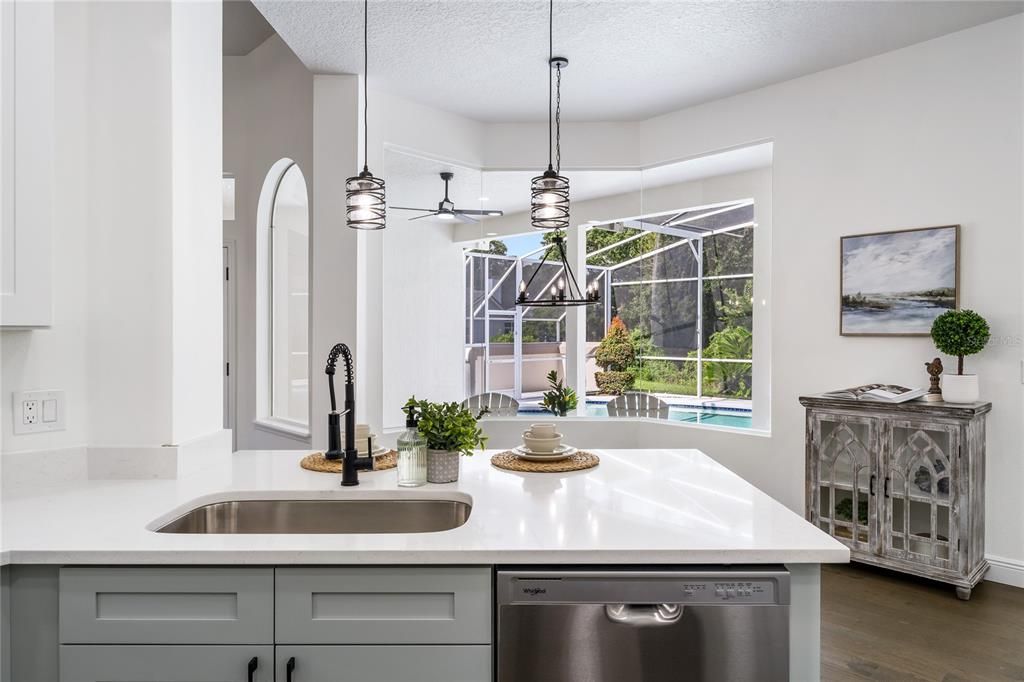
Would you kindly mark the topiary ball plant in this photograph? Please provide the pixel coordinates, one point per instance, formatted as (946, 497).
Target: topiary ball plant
(615, 355)
(960, 333)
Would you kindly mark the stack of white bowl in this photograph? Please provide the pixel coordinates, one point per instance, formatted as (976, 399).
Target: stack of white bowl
(543, 442)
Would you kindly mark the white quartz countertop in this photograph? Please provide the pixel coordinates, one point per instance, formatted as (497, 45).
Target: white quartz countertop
(638, 506)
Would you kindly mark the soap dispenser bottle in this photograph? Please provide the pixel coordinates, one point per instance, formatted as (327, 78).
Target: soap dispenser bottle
(412, 454)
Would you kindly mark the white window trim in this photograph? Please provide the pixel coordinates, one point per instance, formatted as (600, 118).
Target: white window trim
(285, 427)
(264, 366)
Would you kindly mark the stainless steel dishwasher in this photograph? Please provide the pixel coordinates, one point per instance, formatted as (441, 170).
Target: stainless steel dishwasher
(713, 624)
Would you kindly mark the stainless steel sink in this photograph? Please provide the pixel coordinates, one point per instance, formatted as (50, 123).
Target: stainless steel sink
(364, 515)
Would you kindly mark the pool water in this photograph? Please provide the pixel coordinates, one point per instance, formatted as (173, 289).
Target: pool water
(737, 419)
(695, 415)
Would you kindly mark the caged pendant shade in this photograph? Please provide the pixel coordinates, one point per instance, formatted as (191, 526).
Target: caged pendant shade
(365, 207)
(549, 192)
(549, 201)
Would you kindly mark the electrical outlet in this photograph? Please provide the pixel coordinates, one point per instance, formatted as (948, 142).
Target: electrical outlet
(39, 411)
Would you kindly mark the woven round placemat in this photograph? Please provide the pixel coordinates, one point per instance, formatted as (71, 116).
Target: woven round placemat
(577, 462)
(317, 462)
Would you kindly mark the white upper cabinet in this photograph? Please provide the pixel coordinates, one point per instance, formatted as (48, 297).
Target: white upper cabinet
(27, 158)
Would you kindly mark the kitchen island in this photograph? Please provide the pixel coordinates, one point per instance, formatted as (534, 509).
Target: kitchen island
(639, 508)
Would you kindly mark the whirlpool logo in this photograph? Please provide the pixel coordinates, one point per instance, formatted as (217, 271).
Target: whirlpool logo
(534, 591)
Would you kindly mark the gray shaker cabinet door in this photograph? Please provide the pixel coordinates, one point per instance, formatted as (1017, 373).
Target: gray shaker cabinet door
(154, 605)
(384, 605)
(79, 663)
(407, 663)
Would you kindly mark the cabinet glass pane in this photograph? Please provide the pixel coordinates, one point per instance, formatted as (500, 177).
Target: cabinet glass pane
(919, 479)
(844, 480)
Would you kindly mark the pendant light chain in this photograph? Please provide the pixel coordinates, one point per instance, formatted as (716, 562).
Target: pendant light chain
(365, 204)
(366, 88)
(558, 120)
(551, 55)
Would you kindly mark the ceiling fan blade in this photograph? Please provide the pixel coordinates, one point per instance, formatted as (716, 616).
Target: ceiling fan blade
(476, 212)
(463, 218)
(425, 215)
(406, 208)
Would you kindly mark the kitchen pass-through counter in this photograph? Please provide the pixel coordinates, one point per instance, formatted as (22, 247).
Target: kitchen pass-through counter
(92, 592)
(637, 507)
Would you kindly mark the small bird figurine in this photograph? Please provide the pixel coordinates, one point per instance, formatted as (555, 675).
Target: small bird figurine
(934, 369)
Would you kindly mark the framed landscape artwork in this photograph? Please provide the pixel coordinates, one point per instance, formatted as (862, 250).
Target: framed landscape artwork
(897, 283)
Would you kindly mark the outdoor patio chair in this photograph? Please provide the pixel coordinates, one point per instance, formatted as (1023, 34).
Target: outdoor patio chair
(497, 404)
(638, 405)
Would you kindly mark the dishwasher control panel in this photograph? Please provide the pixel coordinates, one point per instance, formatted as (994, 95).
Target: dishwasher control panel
(721, 589)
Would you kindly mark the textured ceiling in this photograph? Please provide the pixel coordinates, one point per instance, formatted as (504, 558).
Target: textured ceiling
(245, 29)
(629, 59)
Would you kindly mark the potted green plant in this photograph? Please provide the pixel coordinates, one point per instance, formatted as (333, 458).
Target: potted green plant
(451, 430)
(960, 333)
(615, 355)
(560, 399)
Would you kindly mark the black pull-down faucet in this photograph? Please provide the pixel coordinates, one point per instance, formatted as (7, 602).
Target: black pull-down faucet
(350, 455)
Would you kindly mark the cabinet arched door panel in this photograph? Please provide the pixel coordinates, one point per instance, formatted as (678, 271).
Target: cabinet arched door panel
(843, 479)
(920, 489)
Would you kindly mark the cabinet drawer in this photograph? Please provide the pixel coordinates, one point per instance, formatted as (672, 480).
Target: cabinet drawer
(167, 606)
(80, 663)
(385, 663)
(378, 605)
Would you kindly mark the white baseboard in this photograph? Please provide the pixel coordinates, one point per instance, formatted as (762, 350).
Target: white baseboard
(1005, 571)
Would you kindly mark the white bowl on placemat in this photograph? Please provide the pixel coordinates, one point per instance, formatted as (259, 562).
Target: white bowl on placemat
(541, 446)
(561, 452)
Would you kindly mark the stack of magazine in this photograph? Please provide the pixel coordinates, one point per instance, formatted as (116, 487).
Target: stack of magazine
(883, 393)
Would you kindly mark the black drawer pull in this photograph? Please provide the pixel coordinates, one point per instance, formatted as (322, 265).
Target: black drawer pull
(253, 664)
(289, 668)
(871, 486)
(886, 487)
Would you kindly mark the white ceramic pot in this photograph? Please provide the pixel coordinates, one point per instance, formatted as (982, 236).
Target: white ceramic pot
(442, 466)
(960, 388)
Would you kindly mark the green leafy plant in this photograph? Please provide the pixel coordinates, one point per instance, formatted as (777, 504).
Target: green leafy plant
(448, 426)
(616, 355)
(960, 333)
(729, 378)
(560, 399)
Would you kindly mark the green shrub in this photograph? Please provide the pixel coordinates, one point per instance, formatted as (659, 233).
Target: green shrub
(616, 353)
(613, 383)
(960, 333)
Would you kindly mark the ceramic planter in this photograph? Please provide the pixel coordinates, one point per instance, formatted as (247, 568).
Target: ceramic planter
(960, 388)
(442, 466)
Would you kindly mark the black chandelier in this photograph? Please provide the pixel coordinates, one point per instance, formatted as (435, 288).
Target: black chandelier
(549, 192)
(364, 194)
(564, 290)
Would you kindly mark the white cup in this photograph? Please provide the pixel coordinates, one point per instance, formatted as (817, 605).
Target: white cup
(542, 430)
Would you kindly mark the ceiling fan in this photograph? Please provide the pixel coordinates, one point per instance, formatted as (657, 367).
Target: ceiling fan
(446, 207)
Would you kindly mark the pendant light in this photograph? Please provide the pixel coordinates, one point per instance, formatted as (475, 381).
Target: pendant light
(563, 291)
(364, 193)
(549, 192)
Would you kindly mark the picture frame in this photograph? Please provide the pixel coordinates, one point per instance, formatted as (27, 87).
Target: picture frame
(896, 282)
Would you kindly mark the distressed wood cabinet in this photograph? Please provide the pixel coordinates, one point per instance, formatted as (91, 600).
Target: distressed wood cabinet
(903, 486)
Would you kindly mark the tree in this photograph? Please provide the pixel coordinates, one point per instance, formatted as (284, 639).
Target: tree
(495, 247)
(960, 333)
(615, 355)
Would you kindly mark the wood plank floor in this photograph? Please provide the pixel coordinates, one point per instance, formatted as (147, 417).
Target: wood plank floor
(878, 625)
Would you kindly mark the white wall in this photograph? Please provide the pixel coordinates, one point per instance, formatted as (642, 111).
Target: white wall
(198, 316)
(268, 115)
(58, 357)
(403, 279)
(138, 134)
(927, 135)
